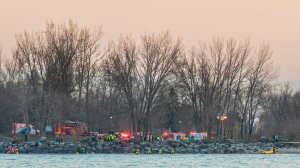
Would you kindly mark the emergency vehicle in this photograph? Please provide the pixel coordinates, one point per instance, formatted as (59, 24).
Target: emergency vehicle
(166, 134)
(125, 136)
(21, 128)
(198, 136)
(178, 136)
(71, 128)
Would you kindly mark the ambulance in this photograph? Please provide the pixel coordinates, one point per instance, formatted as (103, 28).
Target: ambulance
(21, 128)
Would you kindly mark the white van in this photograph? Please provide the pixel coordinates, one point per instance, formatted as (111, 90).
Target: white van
(49, 129)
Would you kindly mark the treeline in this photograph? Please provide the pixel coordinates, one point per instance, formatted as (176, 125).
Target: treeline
(64, 72)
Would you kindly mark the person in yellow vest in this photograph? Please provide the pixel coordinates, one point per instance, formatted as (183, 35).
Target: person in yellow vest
(108, 138)
(111, 137)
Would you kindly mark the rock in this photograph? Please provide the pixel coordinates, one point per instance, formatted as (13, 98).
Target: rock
(204, 151)
(183, 150)
(196, 147)
(61, 145)
(43, 139)
(88, 148)
(106, 149)
(147, 148)
(98, 147)
(204, 146)
(82, 150)
(137, 140)
(56, 150)
(21, 149)
(138, 147)
(116, 141)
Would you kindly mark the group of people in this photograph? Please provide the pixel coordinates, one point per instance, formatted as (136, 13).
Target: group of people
(59, 138)
(12, 150)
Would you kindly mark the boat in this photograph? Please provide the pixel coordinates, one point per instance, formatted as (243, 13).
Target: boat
(271, 151)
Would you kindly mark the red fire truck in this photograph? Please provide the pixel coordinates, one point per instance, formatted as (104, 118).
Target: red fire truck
(71, 128)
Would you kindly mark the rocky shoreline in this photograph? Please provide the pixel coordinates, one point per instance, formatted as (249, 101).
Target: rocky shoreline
(158, 147)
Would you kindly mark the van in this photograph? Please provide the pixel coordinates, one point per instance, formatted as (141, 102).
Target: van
(49, 129)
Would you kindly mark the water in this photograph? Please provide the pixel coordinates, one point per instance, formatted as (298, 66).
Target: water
(149, 160)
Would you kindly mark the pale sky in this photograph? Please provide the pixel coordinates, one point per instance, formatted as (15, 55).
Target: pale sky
(275, 22)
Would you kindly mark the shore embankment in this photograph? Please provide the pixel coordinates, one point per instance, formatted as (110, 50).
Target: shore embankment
(117, 146)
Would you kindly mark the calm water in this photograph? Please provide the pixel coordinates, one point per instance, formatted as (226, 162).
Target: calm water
(151, 160)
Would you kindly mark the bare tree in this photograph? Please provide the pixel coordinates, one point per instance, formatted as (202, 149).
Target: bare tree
(48, 60)
(211, 79)
(142, 74)
(121, 70)
(87, 63)
(261, 73)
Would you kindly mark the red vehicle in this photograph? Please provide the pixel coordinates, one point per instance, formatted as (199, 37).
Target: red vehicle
(125, 136)
(71, 128)
(166, 134)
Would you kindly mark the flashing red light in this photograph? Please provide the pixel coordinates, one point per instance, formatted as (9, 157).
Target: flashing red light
(124, 135)
(165, 133)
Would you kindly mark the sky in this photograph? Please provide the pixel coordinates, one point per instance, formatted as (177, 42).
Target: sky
(275, 22)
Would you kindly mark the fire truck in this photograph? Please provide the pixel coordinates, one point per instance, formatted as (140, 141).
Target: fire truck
(71, 128)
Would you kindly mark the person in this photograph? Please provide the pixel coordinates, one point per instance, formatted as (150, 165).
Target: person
(15, 140)
(9, 150)
(26, 134)
(192, 137)
(57, 138)
(12, 150)
(95, 138)
(273, 149)
(60, 138)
